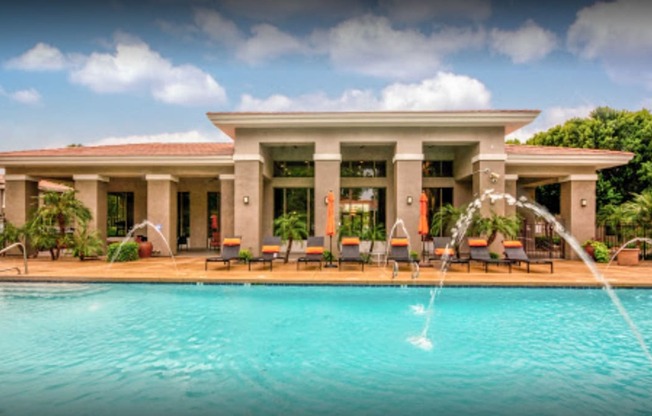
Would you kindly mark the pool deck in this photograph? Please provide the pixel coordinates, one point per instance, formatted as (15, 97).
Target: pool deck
(189, 268)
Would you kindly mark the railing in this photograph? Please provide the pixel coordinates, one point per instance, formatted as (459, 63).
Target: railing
(540, 240)
(615, 235)
(14, 245)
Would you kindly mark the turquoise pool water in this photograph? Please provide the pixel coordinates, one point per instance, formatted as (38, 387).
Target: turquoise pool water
(181, 349)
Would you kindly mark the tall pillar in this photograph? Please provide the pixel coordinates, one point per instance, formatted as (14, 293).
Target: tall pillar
(510, 189)
(92, 192)
(22, 198)
(489, 173)
(327, 178)
(226, 205)
(162, 211)
(577, 206)
(408, 185)
(248, 203)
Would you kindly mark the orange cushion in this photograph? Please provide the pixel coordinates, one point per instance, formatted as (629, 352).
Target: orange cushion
(399, 242)
(271, 249)
(231, 242)
(442, 251)
(350, 241)
(477, 243)
(512, 244)
(315, 250)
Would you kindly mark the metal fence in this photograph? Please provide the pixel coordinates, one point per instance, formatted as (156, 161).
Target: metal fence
(616, 235)
(541, 241)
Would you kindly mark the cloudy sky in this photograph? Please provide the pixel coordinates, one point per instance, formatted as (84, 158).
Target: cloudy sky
(82, 72)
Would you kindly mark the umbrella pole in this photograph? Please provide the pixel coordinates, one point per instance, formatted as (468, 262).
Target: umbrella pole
(330, 261)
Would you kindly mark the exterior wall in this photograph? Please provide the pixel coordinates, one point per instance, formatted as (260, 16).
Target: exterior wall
(22, 194)
(247, 219)
(139, 189)
(198, 189)
(162, 211)
(227, 205)
(579, 220)
(92, 192)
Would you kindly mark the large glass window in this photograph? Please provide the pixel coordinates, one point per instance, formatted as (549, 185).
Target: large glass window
(299, 200)
(437, 168)
(294, 169)
(437, 198)
(363, 169)
(120, 213)
(361, 209)
(183, 214)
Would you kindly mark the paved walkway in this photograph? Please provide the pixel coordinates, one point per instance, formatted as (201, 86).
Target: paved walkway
(189, 268)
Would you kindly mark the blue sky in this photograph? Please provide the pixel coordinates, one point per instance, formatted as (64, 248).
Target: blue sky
(116, 72)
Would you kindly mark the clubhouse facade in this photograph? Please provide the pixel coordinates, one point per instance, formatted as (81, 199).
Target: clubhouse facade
(376, 163)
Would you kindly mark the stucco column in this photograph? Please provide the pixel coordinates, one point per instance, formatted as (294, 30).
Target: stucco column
(327, 178)
(21, 198)
(489, 173)
(248, 203)
(226, 205)
(408, 185)
(162, 211)
(577, 206)
(92, 192)
(510, 188)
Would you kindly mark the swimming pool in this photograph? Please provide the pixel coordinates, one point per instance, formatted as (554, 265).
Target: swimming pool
(182, 349)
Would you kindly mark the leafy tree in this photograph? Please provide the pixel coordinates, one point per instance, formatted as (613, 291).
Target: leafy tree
(57, 212)
(508, 225)
(86, 243)
(610, 129)
(446, 218)
(373, 233)
(291, 226)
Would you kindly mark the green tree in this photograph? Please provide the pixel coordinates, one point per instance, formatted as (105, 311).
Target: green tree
(507, 225)
(291, 226)
(609, 129)
(373, 233)
(57, 212)
(86, 243)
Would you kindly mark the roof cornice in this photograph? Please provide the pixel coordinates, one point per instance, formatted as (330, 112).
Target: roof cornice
(511, 120)
(599, 161)
(12, 161)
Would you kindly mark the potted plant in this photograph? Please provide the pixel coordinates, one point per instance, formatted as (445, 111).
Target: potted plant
(629, 255)
(598, 250)
(86, 243)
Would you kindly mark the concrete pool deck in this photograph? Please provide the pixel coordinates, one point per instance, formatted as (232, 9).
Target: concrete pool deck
(190, 269)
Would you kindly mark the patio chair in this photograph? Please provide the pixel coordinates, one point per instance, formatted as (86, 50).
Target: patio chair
(350, 252)
(514, 251)
(230, 251)
(214, 243)
(314, 252)
(443, 250)
(398, 251)
(479, 251)
(269, 252)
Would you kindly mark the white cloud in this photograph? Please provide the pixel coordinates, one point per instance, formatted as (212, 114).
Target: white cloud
(42, 57)
(551, 117)
(370, 45)
(29, 96)
(619, 35)
(445, 91)
(192, 136)
(134, 66)
(414, 11)
(528, 43)
(217, 27)
(268, 42)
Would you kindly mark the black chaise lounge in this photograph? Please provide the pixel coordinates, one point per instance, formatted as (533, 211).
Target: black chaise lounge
(399, 252)
(314, 252)
(443, 251)
(230, 252)
(515, 253)
(479, 251)
(269, 252)
(350, 252)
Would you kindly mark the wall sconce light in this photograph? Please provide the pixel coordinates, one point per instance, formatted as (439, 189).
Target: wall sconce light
(583, 202)
(245, 199)
(409, 200)
(326, 200)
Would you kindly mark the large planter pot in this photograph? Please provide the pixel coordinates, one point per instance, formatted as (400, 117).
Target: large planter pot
(590, 251)
(629, 257)
(145, 249)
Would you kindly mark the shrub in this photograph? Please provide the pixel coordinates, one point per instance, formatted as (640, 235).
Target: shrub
(245, 255)
(128, 252)
(328, 256)
(600, 252)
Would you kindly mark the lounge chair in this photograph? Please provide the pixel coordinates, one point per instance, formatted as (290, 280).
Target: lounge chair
(514, 252)
(314, 252)
(269, 252)
(444, 251)
(398, 251)
(350, 252)
(479, 251)
(230, 251)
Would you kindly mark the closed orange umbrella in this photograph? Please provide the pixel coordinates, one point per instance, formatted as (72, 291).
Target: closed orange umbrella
(423, 217)
(330, 223)
(330, 214)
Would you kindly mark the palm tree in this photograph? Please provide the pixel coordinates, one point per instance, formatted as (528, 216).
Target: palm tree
(58, 211)
(490, 226)
(444, 219)
(290, 226)
(375, 232)
(86, 243)
(639, 209)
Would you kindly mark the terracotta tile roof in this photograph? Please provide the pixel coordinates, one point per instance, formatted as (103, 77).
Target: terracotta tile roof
(140, 149)
(513, 149)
